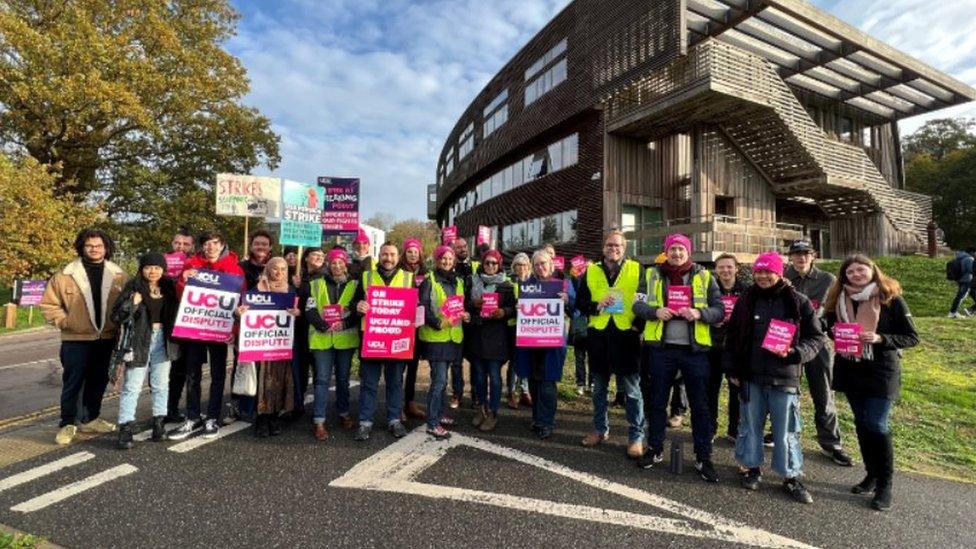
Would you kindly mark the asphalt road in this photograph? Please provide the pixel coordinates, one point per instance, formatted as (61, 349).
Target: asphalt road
(477, 490)
(30, 372)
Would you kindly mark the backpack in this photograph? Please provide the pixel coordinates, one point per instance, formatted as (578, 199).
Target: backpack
(954, 269)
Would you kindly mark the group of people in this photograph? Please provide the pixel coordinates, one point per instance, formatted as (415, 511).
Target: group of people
(645, 326)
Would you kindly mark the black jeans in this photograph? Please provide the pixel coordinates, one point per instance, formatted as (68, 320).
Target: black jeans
(715, 387)
(177, 381)
(410, 383)
(85, 365)
(196, 355)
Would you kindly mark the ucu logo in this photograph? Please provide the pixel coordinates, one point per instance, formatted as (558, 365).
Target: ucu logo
(209, 278)
(206, 299)
(258, 299)
(267, 321)
(532, 288)
(540, 309)
(376, 345)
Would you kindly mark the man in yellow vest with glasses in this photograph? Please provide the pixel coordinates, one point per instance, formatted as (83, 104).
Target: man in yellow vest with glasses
(385, 273)
(606, 296)
(680, 301)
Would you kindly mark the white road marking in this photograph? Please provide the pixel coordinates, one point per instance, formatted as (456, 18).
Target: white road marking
(395, 469)
(199, 441)
(73, 489)
(46, 469)
(143, 436)
(26, 364)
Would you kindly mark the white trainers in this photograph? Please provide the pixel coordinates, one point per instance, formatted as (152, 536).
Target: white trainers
(66, 434)
(954, 315)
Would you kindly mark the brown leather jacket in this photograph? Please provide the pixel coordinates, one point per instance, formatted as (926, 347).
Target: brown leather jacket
(67, 302)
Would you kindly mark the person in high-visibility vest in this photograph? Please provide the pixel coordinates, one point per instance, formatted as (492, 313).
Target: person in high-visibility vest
(386, 272)
(543, 366)
(487, 340)
(413, 263)
(612, 339)
(441, 336)
(521, 270)
(464, 266)
(679, 302)
(333, 337)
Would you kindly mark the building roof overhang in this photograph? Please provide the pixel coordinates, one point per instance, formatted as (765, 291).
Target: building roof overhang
(818, 52)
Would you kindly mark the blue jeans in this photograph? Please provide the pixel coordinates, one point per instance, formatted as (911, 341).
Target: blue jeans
(964, 288)
(435, 395)
(783, 409)
(630, 385)
(579, 352)
(871, 413)
(664, 363)
(488, 373)
(85, 372)
(326, 362)
(543, 403)
(133, 378)
(369, 374)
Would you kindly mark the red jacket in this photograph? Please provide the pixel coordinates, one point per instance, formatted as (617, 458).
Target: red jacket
(226, 263)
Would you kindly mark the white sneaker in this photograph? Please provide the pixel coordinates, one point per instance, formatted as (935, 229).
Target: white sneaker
(66, 435)
(954, 315)
(210, 428)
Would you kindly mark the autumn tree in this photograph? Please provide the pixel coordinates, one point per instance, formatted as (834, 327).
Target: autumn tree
(38, 227)
(426, 231)
(131, 102)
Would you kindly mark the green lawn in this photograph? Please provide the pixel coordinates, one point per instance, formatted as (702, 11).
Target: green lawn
(18, 541)
(23, 314)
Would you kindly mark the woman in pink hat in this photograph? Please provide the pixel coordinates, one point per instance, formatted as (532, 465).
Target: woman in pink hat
(412, 262)
(772, 332)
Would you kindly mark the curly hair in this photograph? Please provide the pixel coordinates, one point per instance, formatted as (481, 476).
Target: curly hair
(86, 234)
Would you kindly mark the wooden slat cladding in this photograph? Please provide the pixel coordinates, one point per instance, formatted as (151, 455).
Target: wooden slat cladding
(727, 173)
(607, 42)
(655, 175)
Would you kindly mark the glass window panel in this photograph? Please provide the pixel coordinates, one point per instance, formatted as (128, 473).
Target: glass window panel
(555, 157)
(558, 74)
(571, 150)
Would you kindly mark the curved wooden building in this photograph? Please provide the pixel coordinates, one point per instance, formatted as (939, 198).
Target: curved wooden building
(744, 124)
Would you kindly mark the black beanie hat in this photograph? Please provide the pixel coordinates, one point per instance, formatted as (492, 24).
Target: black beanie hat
(152, 258)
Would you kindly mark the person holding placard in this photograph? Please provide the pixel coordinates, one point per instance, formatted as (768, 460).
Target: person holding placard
(490, 301)
(441, 333)
(726, 272)
(387, 273)
(810, 281)
(149, 303)
(607, 295)
(78, 300)
(183, 248)
(213, 256)
(521, 271)
(578, 325)
(772, 332)
(333, 337)
(276, 389)
(867, 307)
(680, 302)
(311, 266)
(412, 262)
(543, 366)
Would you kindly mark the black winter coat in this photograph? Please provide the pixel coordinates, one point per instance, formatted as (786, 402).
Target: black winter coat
(880, 377)
(744, 356)
(487, 338)
(141, 326)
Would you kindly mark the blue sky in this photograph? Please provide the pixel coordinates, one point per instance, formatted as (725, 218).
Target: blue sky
(371, 88)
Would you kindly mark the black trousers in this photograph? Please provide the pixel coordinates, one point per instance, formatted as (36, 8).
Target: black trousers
(85, 372)
(196, 354)
(177, 381)
(714, 387)
(410, 381)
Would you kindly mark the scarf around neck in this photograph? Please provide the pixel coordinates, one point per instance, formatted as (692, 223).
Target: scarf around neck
(676, 274)
(482, 283)
(868, 311)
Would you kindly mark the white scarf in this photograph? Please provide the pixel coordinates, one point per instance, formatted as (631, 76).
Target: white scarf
(867, 349)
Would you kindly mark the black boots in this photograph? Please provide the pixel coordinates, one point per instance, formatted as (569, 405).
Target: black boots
(159, 429)
(867, 452)
(262, 426)
(885, 470)
(125, 436)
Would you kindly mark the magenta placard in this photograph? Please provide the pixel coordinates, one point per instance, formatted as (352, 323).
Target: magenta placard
(449, 235)
(453, 308)
(489, 304)
(174, 264)
(389, 323)
(484, 235)
(332, 314)
(728, 301)
(579, 262)
(779, 336)
(679, 297)
(207, 307)
(541, 321)
(267, 330)
(847, 339)
(559, 263)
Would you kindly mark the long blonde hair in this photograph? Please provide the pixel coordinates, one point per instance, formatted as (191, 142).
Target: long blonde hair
(888, 288)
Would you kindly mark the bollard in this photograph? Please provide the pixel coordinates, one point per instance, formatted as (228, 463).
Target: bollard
(676, 464)
(11, 321)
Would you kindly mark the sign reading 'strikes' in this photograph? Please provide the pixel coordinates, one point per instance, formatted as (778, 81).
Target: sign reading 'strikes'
(389, 323)
(207, 307)
(267, 329)
(541, 320)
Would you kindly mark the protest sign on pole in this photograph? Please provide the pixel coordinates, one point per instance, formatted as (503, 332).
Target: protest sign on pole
(248, 196)
(267, 330)
(206, 310)
(541, 320)
(340, 215)
(449, 235)
(301, 214)
(484, 236)
(389, 331)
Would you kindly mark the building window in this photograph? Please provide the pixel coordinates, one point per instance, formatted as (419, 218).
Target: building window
(467, 141)
(495, 114)
(845, 129)
(450, 162)
(545, 82)
(725, 206)
(546, 58)
(558, 228)
(633, 219)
